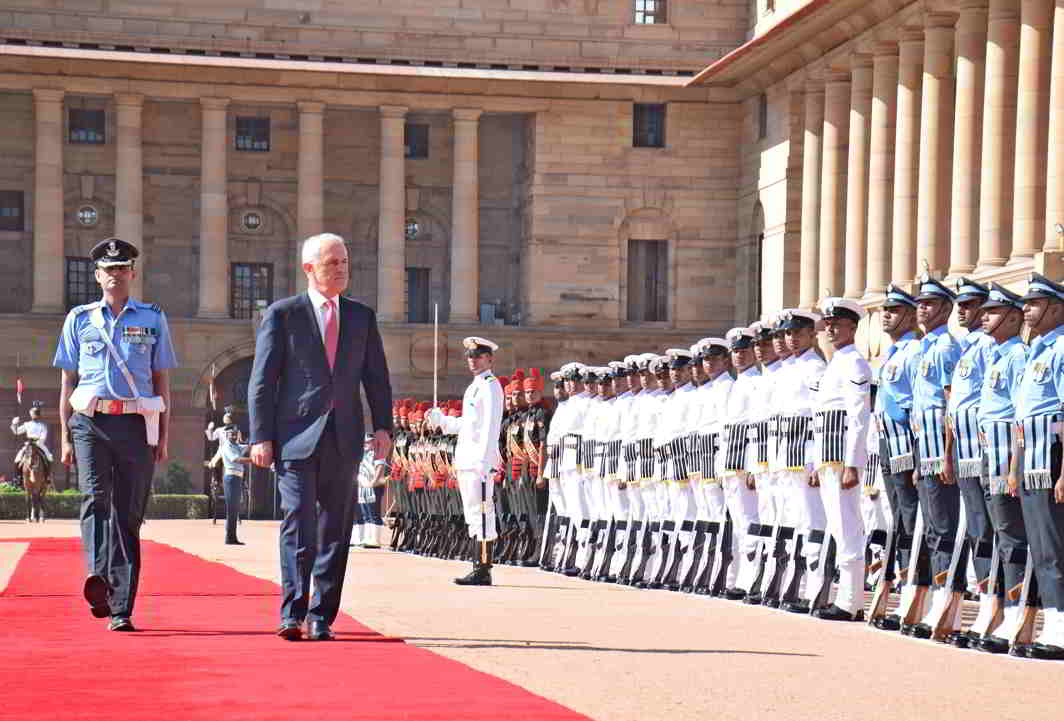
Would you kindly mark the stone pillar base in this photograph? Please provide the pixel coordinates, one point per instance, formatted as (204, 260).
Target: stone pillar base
(1050, 263)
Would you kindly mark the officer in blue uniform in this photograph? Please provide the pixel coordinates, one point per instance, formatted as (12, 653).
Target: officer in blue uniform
(1039, 401)
(115, 355)
(931, 371)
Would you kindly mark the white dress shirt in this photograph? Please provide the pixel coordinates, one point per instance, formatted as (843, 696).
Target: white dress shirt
(846, 385)
(478, 427)
(318, 301)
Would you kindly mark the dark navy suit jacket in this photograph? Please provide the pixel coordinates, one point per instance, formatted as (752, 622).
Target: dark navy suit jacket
(291, 387)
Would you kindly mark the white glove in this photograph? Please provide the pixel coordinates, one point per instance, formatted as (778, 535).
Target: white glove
(434, 416)
(16, 421)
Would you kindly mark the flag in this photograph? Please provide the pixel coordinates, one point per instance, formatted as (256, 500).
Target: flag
(18, 389)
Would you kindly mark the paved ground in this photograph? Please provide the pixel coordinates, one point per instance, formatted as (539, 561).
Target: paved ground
(619, 654)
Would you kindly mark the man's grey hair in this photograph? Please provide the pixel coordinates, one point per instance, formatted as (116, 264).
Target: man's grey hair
(312, 246)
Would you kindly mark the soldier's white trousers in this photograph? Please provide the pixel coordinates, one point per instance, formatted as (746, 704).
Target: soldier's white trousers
(478, 494)
(742, 505)
(805, 510)
(842, 507)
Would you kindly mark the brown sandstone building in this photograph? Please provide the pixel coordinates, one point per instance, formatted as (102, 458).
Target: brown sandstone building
(587, 177)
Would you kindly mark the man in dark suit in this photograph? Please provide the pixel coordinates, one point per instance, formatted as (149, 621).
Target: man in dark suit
(313, 353)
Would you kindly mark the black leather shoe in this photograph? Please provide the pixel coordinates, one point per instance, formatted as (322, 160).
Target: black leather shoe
(834, 613)
(121, 624)
(1021, 650)
(319, 631)
(771, 602)
(479, 576)
(734, 594)
(917, 630)
(993, 644)
(1045, 652)
(754, 599)
(887, 623)
(96, 591)
(290, 631)
(962, 639)
(797, 606)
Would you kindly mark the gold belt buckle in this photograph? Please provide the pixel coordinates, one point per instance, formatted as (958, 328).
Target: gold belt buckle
(115, 407)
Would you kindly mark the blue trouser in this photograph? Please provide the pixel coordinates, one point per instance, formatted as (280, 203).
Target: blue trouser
(1044, 520)
(317, 498)
(371, 512)
(904, 500)
(115, 465)
(941, 505)
(234, 487)
(980, 528)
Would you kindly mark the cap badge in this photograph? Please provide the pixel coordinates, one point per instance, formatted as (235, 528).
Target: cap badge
(112, 249)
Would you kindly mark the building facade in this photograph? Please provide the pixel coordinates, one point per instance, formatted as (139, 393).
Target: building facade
(587, 177)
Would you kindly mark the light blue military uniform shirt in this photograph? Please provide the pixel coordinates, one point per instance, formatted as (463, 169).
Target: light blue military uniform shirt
(1040, 388)
(932, 368)
(140, 335)
(895, 396)
(967, 383)
(1006, 364)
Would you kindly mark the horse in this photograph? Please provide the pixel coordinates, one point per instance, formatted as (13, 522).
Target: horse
(35, 479)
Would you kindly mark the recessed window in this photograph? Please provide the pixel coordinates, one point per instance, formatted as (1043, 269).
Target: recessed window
(250, 288)
(251, 221)
(416, 140)
(647, 280)
(81, 285)
(12, 210)
(87, 127)
(648, 125)
(417, 295)
(762, 116)
(253, 134)
(650, 12)
(88, 216)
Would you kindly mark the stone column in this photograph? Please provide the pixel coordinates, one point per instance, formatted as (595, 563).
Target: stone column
(465, 219)
(968, 136)
(214, 212)
(936, 144)
(1032, 128)
(857, 175)
(907, 154)
(809, 276)
(881, 166)
(310, 204)
(1055, 174)
(391, 239)
(833, 182)
(999, 132)
(48, 245)
(129, 182)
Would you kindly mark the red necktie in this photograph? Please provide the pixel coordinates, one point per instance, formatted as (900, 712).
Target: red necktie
(332, 332)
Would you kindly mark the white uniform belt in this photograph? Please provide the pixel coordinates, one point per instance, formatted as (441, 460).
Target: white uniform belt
(116, 408)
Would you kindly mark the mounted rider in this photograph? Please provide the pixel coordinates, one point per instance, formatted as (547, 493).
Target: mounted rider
(36, 432)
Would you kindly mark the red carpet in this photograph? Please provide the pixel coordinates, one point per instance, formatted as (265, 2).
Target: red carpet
(206, 651)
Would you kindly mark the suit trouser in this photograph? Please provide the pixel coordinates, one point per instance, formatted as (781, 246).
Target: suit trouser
(904, 499)
(980, 528)
(115, 465)
(1044, 519)
(842, 507)
(1007, 517)
(317, 496)
(941, 506)
(234, 487)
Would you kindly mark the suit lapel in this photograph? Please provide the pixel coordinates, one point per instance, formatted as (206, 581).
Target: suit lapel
(311, 318)
(346, 332)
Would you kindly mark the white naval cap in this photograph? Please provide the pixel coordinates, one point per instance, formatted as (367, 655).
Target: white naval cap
(794, 318)
(842, 308)
(678, 357)
(556, 376)
(476, 346)
(706, 344)
(740, 338)
(659, 364)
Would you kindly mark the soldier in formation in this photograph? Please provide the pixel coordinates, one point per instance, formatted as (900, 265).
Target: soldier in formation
(751, 468)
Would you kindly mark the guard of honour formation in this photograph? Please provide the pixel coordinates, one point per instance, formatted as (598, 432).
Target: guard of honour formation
(750, 468)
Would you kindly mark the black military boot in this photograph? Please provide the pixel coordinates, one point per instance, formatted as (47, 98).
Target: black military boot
(481, 573)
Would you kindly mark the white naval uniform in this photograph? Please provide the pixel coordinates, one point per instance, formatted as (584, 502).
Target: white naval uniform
(845, 385)
(477, 454)
(35, 431)
(552, 471)
(766, 405)
(712, 401)
(741, 500)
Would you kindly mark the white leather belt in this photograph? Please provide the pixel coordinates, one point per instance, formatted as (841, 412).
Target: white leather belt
(116, 408)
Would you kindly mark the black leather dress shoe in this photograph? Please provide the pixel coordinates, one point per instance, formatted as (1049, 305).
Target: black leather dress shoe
(834, 613)
(121, 624)
(771, 602)
(233, 542)
(479, 576)
(1045, 652)
(887, 623)
(916, 630)
(993, 644)
(754, 599)
(801, 606)
(319, 631)
(96, 591)
(962, 639)
(734, 594)
(290, 631)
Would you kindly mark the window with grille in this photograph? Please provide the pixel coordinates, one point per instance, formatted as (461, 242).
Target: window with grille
(250, 288)
(12, 210)
(650, 12)
(417, 295)
(648, 287)
(81, 285)
(253, 134)
(87, 127)
(416, 140)
(648, 125)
